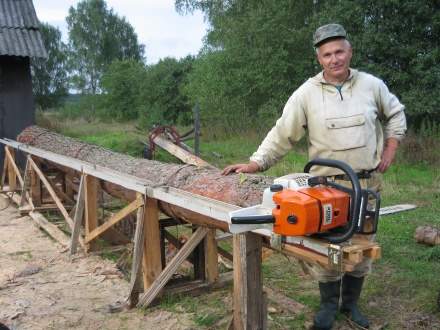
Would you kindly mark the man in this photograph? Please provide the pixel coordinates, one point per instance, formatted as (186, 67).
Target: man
(349, 116)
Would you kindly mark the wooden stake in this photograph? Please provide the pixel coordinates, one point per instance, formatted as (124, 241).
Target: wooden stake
(174, 264)
(249, 312)
(152, 263)
(35, 189)
(91, 206)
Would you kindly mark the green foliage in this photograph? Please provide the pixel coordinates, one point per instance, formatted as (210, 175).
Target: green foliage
(161, 99)
(257, 53)
(98, 36)
(49, 75)
(121, 85)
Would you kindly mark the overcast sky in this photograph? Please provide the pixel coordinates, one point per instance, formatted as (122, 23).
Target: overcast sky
(157, 25)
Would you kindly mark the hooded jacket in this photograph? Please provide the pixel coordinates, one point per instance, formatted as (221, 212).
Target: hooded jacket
(349, 125)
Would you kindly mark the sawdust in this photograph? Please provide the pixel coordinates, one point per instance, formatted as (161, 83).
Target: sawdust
(42, 287)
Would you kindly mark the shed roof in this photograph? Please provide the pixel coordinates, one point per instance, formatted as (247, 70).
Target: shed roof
(19, 29)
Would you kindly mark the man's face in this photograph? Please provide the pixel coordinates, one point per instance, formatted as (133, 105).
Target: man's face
(334, 57)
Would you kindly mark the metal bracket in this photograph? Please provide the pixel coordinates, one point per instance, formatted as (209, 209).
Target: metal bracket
(335, 256)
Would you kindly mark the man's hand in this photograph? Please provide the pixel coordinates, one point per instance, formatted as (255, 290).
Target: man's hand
(251, 167)
(388, 154)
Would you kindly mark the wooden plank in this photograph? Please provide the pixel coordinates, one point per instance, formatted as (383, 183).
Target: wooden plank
(179, 152)
(43, 223)
(51, 192)
(5, 170)
(198, 257)
(211, 257)
(133, 206)
(138, 250)
(60, 192)
(49, 207)
(13, 171)
(248, 298)
(315, 258)
(78, 217)
(50, 228)
(24, 188)
(35, 189)
(152, 260)
(373, 253)
(91, 207)
(170, 269)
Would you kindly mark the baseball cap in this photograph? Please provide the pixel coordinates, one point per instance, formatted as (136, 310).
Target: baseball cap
(329, 31)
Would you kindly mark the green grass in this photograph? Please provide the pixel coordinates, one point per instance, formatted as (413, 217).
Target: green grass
(404, 283)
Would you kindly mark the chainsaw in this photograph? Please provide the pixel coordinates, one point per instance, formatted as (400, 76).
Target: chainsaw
(300, 204)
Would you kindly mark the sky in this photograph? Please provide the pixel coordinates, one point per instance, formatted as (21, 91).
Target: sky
(158, 26)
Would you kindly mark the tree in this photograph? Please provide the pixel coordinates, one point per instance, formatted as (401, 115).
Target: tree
(162, 99)
(257, 52)
(50, 76)
(122, 88)
(97, 37)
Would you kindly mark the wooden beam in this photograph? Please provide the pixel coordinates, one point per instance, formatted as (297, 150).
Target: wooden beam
(248, 300)
(170, 269)
(51, 192)
(78, 217)
(133, 206)
(179, 152)
(91, 206)
(50, 228)
(35, 189)
(152, 260)
(211, 257)
(60, 191)
(13, 171)
(136, 270)
(40, 221)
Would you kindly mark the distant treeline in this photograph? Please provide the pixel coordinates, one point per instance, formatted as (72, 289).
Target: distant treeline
(255, 54)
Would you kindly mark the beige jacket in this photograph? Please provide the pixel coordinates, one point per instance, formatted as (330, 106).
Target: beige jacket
(349, 126)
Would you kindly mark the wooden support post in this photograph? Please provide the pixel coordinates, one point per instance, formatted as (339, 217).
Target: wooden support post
(78, 217)
(12, 177)
(68, 179)
(249, 305)
(198, 257)
(91, 207)
(211, 257)
(152, 261)
(35, 188)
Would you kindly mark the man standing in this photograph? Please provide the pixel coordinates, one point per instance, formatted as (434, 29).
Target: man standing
(349, 116)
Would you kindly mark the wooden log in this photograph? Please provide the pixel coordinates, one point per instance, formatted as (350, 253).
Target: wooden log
(241, 190)
(249, 305)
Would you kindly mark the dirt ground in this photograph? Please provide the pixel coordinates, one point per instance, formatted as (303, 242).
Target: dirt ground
(42, 287)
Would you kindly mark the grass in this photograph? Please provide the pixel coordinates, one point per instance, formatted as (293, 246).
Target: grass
(403, 287)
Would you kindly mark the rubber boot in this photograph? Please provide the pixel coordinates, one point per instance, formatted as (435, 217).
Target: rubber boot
(325, 317)
(351, 291)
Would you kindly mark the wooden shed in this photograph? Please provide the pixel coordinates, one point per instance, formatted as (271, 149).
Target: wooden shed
(20, 39)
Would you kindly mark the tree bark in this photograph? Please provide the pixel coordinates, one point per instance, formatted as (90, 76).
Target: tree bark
(206, 181)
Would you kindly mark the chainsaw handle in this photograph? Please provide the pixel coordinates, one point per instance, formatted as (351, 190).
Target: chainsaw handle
(253, 219)
(356, 196)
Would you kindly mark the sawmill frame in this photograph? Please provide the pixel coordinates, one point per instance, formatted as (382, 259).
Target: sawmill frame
(249, 301)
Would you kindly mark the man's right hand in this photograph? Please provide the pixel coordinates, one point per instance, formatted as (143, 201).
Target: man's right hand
(251, 167)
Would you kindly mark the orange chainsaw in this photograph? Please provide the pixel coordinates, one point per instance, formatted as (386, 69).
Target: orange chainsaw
(306, 205)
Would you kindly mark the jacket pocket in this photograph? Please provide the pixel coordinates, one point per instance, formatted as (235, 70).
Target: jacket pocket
(346, 132)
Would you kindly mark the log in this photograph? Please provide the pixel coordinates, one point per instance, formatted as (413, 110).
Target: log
(206, 181)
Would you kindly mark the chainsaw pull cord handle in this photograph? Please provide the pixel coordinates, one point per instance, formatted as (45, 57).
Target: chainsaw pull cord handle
(356, 196)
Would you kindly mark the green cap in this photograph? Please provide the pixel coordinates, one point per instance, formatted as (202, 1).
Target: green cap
(329, 31)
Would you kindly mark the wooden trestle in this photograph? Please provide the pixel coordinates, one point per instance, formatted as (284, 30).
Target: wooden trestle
(150, 274)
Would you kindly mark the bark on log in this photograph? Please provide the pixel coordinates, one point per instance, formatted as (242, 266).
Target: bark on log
(205, 181)
(427, 235)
